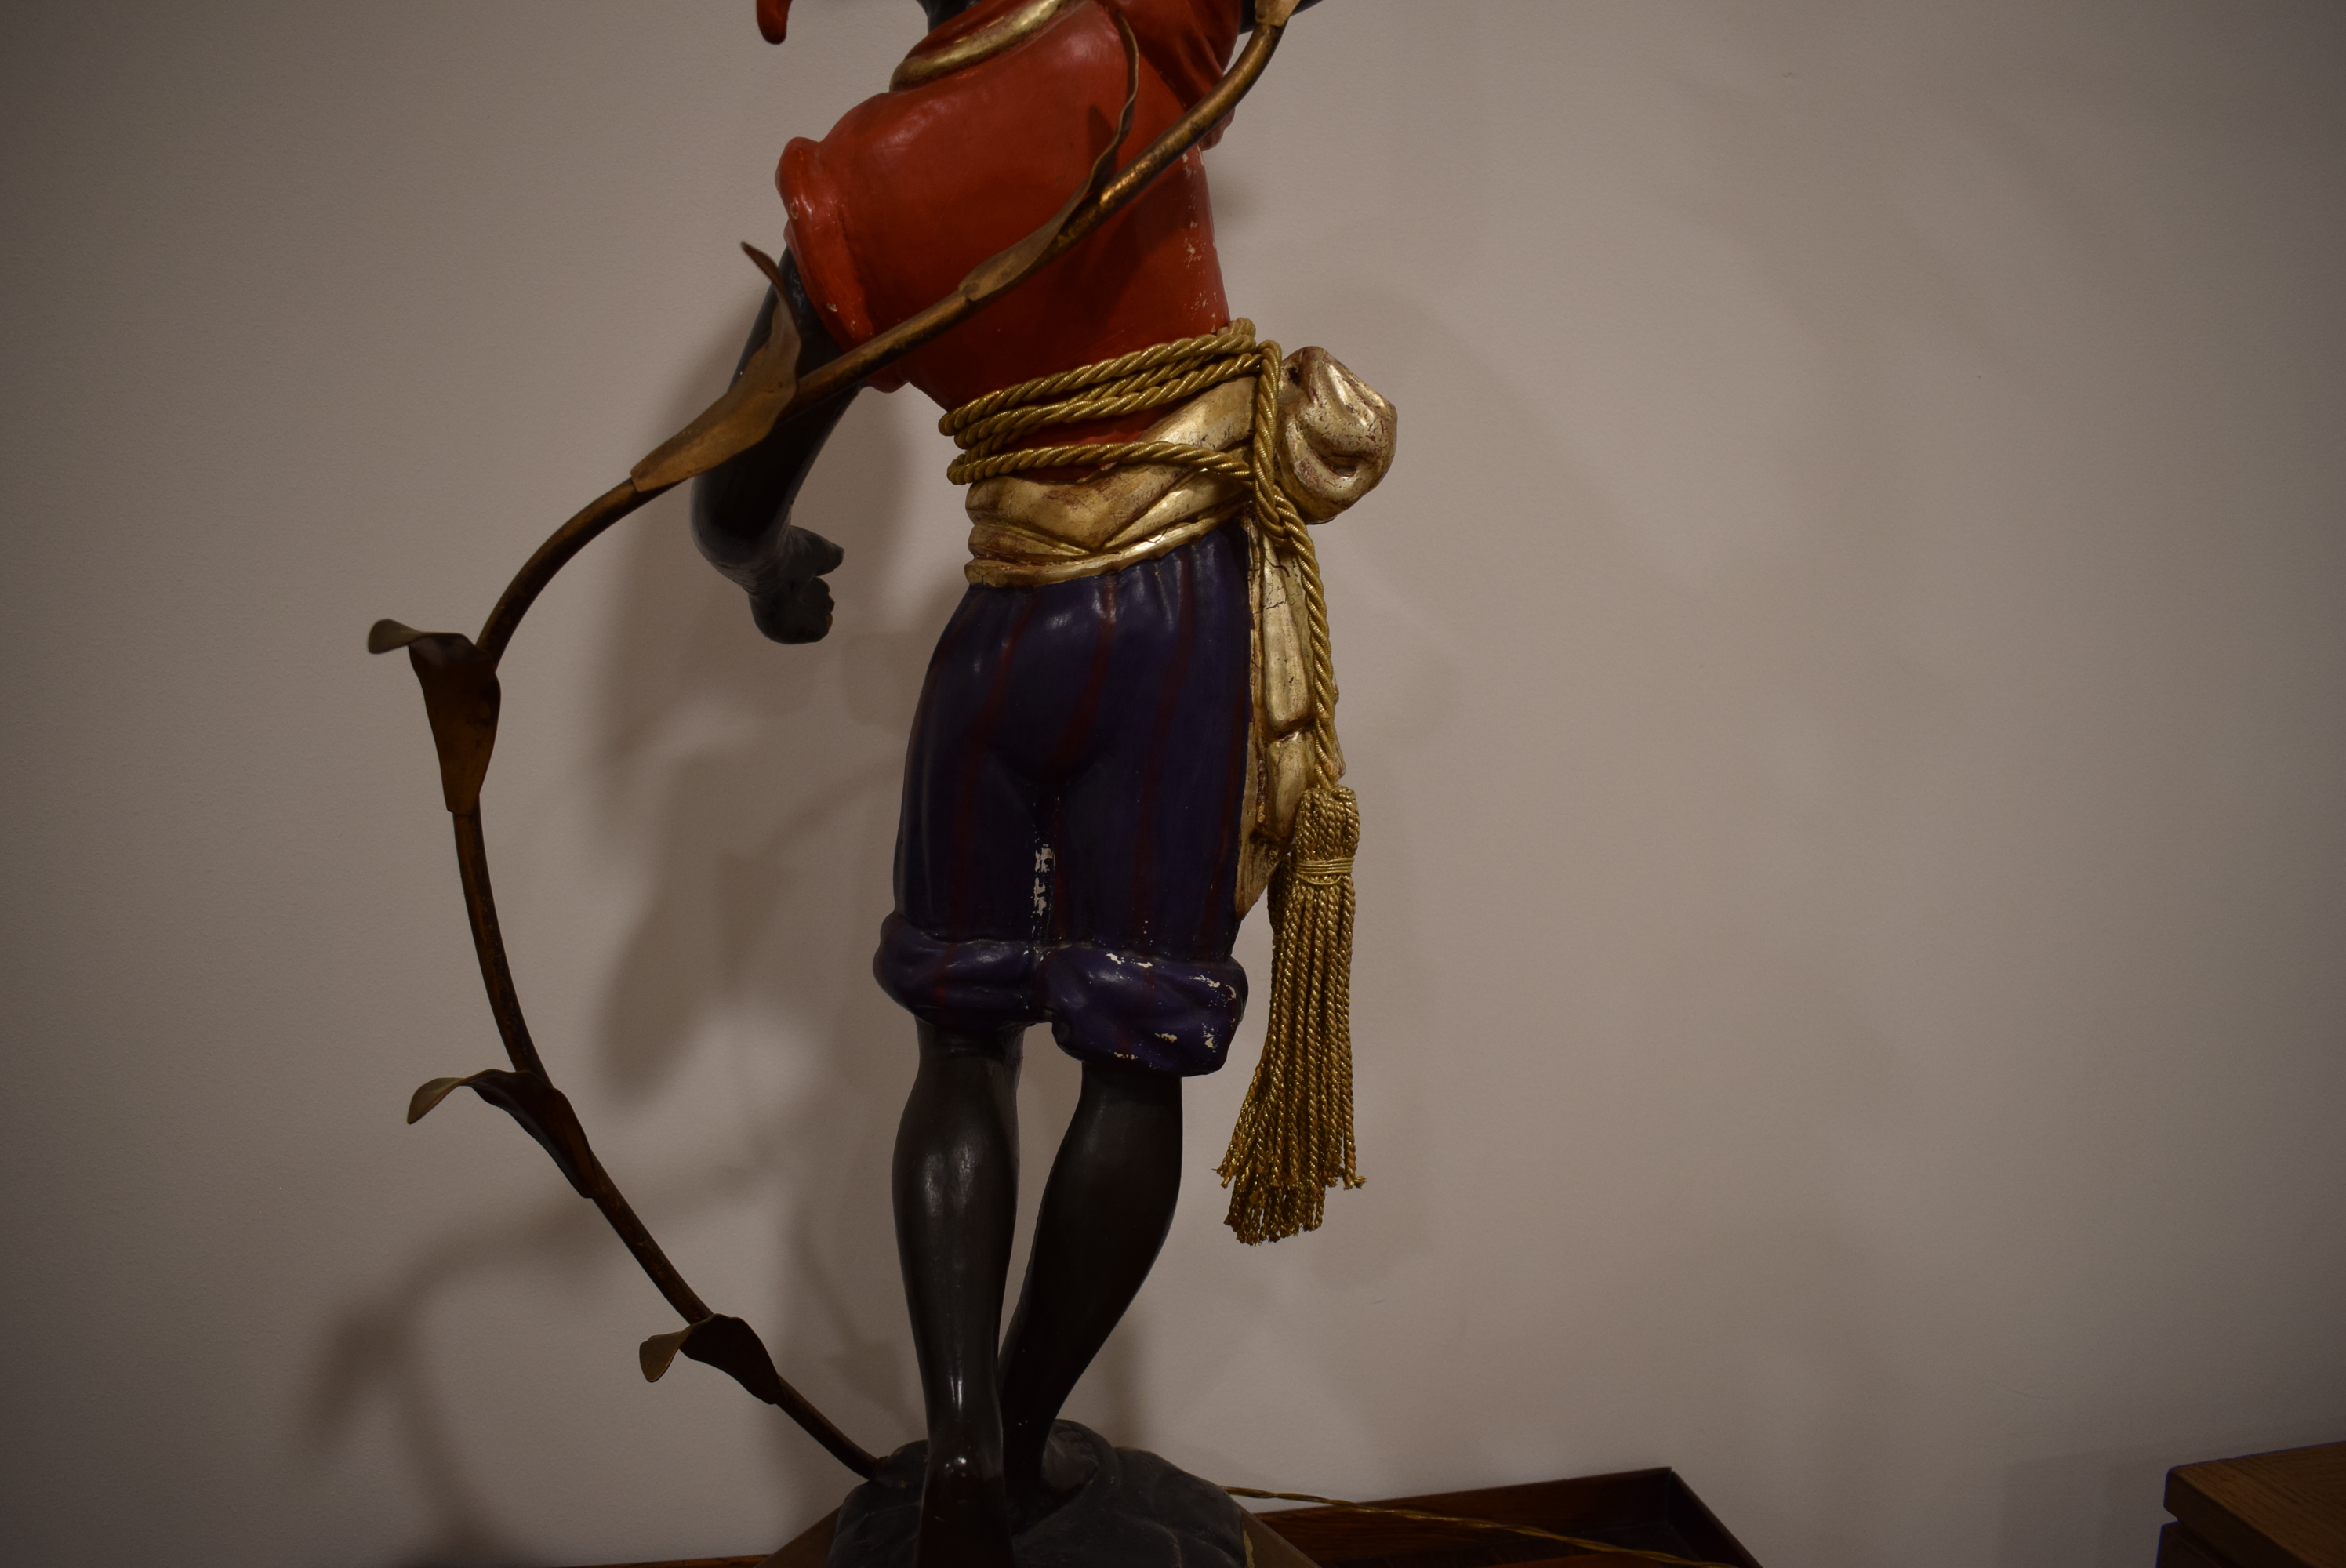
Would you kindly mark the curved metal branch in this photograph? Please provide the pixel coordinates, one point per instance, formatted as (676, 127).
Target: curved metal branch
(550, 557)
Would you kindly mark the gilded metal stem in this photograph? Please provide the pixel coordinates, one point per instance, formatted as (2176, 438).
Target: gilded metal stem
(489, 944)
(552, 555)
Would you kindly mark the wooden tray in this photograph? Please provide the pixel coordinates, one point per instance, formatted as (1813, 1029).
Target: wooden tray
(1651, 1509)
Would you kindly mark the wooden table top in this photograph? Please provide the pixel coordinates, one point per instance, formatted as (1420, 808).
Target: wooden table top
(2284, 1510)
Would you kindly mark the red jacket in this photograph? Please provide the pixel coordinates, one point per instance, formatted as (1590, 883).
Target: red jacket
(913, 188)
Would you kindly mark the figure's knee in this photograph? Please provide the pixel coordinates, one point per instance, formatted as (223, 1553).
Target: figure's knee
(1118, 1082)
(1003, 1044)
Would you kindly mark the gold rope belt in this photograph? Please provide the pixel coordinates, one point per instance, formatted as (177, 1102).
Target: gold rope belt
(1294, 1135)
(1151, 378)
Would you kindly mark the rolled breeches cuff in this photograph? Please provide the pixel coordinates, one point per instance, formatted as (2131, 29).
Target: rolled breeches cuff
(1171, 1014)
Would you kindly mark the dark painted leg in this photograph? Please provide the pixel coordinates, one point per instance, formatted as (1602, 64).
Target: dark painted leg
(956, 1192)
(1106, 1212)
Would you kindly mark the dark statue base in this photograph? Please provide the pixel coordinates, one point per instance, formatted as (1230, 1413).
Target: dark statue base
(1641, 1509)
(1116, 1505)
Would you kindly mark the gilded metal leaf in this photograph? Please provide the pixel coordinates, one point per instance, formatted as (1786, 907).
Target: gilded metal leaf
(460, 698)
(386, 635)
(658, 1352)
(420, 1103)
(733, 1347)
(543, 1110)
(744, 415)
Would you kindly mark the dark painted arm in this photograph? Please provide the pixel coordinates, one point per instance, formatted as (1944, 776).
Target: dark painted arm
(742, 508)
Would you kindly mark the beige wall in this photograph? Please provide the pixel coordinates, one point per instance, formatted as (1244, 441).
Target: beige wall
(1848, 682)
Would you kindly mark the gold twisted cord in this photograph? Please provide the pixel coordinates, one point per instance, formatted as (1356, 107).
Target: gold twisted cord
(1149, 390)
(1102, 455)
(1238, 336)
(1422, 1517)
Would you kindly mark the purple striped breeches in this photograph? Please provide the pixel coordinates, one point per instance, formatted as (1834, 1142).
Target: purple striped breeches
(1068, 847)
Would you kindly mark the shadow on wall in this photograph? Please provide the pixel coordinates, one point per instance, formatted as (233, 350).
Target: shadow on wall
(757, 787)
(379, 1350)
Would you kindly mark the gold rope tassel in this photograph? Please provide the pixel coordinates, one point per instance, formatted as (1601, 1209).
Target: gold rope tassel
(1294, 1137)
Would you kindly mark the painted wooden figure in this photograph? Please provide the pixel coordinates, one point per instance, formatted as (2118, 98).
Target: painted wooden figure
(1092, 793)
(1126, 737)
